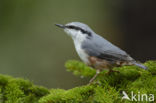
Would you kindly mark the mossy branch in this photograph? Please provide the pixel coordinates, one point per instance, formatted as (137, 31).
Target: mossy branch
(105, 89)
(17, 90)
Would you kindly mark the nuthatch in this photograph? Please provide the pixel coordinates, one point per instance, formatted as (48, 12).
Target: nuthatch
(96, 51)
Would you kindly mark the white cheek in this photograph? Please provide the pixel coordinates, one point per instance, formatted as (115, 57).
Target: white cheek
(71, 33)
(80, 37)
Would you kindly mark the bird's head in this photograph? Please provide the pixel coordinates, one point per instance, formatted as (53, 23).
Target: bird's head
(77, 30)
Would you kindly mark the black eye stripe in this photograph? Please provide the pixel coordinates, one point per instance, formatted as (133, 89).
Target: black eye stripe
(78, 28)
(73, 27)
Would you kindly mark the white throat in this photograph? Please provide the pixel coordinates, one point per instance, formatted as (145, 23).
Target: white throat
(78, 39)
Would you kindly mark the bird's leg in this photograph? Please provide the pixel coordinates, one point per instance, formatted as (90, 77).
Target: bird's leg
(93, 78)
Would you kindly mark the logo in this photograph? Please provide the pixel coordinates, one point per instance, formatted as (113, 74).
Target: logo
(138, 96)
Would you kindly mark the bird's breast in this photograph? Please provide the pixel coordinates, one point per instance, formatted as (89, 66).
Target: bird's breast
(82, 54)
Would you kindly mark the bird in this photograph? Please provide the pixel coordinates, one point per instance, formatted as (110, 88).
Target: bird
(95, 51)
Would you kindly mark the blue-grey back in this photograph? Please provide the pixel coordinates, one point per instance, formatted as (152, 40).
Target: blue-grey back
(103, 49)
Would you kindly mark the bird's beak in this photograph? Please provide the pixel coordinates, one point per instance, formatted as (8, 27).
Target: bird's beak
(60, 25)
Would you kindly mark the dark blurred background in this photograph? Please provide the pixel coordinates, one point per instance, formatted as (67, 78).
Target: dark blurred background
(32, 47)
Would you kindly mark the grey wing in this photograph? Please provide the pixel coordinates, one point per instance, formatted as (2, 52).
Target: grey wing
(103, 49)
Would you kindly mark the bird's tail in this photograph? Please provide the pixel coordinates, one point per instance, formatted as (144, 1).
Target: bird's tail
(140, 65)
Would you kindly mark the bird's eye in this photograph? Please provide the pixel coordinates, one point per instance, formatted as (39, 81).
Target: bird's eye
(80, 29)
(71, 27)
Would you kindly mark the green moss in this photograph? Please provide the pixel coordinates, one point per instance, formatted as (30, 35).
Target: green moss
(105, 89)
(79, 68)
(16, 90)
